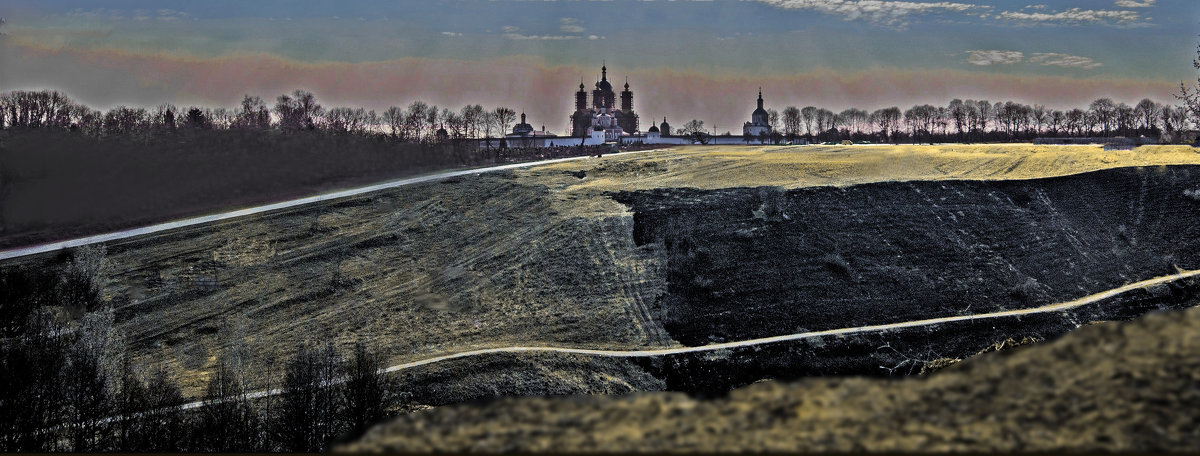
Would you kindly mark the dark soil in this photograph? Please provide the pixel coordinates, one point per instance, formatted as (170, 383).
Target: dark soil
(747, 263)
(60, 185)
(897, 353)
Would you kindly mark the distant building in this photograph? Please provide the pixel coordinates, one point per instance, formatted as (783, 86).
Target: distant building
(759, 123)
(523, 135)
(522, 129)
(603, 116)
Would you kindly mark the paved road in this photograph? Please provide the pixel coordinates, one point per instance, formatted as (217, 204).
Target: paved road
(769, 340)
(133, 232)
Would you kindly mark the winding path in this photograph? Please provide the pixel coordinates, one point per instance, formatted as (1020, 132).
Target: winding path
(1090, 299)
(166, 226)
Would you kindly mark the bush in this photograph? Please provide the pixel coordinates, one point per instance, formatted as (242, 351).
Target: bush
(82, 280)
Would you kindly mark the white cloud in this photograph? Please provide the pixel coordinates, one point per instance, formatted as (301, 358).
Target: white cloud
(1073, 16)
(451, 33)
(162, 14)
(887, 12)
(570, 25)
(999, 57)
(517, 36)
(1135, 3)
(595, 37)
(994, 57)
(510, 28)
(1064, 60)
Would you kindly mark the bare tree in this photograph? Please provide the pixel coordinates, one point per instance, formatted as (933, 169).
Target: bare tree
(1124, 118)
(310, 403)
(298, 111)
(1041, 116)
(503, 116)
(414, 120)
(254, 114)
(809, 114)
(394, 118)
(855, 120)
(473, 120)
(489, 122)
(791, 121)
(364, 392)
(93, 375)
(81, 283)
(887, 121)
(1104, 110)
(1191, 96)
(227, 420)
(1148, 111)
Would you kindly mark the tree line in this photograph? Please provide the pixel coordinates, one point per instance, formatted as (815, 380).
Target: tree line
(300, 110)
(970, 121)
(960, 120)
(72, 386)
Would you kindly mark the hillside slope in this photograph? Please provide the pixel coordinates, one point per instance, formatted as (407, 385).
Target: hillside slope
(1109, 387)
(549, 256)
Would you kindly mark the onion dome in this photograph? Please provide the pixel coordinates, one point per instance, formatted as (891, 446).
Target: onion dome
(604, 84)
(522, 128)
(760, 112)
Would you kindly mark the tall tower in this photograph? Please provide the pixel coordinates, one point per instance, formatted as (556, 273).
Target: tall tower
(581, 97)
(760, 98)
(626, 97)
(581, 119)
(626, 118)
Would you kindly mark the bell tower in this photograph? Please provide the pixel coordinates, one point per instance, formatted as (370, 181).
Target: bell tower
(581, 97)
(626, 97)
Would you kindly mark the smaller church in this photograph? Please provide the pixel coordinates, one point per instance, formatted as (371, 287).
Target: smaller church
(524, 135)
(759, 123)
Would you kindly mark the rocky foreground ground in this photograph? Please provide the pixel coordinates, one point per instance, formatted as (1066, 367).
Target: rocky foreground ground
(1131, 386)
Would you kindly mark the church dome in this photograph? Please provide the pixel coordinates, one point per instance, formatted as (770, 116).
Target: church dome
(653, 129)
(665, 127)
(522, 128)
(759, 116)
(604, 84)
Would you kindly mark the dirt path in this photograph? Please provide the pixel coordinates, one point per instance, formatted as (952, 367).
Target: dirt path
(768, 340)
(134, 232)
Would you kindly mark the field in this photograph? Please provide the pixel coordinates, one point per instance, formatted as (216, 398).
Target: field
(1104, 388)
(588, 254)
(56, 185)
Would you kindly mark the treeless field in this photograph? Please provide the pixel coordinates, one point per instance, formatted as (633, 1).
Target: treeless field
(712, 167)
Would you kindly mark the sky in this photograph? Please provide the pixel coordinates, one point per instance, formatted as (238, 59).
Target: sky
(684, 59)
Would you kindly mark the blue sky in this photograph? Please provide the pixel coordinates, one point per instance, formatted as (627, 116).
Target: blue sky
(832, 52)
